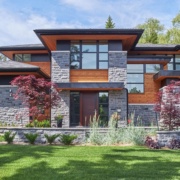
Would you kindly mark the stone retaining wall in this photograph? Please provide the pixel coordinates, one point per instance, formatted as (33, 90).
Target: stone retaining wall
(164, 137)
(20, 138)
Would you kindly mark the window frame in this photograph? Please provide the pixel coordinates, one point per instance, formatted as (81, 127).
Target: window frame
(143, 71)
(97, 52)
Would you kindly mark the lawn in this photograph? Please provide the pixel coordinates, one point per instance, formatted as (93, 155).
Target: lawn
(87, 162)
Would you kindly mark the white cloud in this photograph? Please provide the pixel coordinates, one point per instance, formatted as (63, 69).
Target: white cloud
(18, 28)
(84, 5)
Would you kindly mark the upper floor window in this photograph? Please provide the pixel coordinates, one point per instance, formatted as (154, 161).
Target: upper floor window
(23, 57)
(135, 78)
(89, 55)
(152, 68)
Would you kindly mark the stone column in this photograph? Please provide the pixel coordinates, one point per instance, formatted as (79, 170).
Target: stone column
(60, 72)
(117, 72)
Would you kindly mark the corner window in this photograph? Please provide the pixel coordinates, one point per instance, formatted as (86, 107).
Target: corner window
(89, 55)
(152, 68)
(22, 57)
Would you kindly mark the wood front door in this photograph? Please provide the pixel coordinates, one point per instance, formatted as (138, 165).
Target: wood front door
(89, 104)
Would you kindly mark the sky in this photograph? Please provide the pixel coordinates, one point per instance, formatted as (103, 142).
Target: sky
(18, 18)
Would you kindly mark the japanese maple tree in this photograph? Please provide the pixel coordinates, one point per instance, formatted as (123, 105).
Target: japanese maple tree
(39, 94)
(167, 104)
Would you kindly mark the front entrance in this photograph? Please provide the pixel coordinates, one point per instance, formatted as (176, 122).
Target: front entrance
(83, 106)
(89, 105)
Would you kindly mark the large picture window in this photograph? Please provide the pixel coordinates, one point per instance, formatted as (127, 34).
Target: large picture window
(89, 55)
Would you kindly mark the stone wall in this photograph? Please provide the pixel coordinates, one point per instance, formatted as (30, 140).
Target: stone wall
(164, 137)
(143, 114)
(118, 103)
(12, 112)
(117, 71)
(81, 133)
(63, 108)
(60, 71)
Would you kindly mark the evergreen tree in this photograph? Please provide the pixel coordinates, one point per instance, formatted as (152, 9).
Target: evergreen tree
(109, 23)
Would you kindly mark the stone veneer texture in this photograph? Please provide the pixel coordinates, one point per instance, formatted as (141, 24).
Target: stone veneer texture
(143, 113)
(60, 71)
(11, 109)
(63, 109)
(81, 133)
(117, 71)
(118, 102)
(164, 137)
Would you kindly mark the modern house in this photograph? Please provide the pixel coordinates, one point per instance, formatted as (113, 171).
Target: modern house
(102, 70)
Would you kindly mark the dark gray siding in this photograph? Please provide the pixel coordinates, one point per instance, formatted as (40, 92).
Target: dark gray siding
(115, 45)
(63, 45)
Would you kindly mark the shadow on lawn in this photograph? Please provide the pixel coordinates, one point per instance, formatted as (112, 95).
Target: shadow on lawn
(114, 165)
(16, 152)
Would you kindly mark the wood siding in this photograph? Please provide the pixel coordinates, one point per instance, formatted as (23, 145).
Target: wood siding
(150, 90)
(88, 75)
(45, 66)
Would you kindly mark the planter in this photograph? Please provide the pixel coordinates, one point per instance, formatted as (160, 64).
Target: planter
(59, 123)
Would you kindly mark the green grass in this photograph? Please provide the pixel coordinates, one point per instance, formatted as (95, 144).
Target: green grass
(87, 162)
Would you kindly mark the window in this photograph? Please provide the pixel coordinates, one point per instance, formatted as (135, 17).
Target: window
(89, 55)
(170, 64)
(74, 108)
(152, 68)
(23, 57)
(174, 64)
(103, 108)
(177, 62)
(135, 78)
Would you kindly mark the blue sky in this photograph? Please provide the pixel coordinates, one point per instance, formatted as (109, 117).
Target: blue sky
(18, 18)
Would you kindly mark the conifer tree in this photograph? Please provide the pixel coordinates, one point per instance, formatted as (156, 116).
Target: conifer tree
(109, 23)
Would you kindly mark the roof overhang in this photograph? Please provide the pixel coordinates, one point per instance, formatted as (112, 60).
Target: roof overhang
(156, 49)
(8, 51)
(142, 59)
(129, 37)
(91, 86)
(164, 74)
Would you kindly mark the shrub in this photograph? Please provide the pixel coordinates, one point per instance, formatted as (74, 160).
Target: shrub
(1, 138)
(8, 137)
(149, 142)
(94, 136)
(175, 144)
(36, 123)
(51, 138)
(67, 139)
(31, 137)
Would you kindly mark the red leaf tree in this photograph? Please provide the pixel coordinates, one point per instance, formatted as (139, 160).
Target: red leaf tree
(39, 94)
(167, 104)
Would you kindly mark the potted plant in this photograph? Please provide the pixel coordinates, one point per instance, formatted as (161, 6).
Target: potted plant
(59, 119)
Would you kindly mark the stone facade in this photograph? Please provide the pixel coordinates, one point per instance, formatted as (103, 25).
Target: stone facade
(144, 115)
(164, 137)
(118, 103)
(63, 108)
(60, 71)
(12, 112)
(117, 71)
